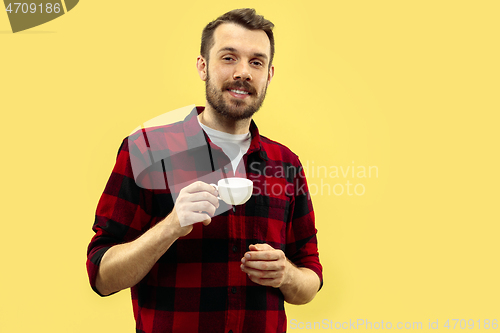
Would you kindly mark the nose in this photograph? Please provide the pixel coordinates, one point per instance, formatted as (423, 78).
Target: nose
(242, 72)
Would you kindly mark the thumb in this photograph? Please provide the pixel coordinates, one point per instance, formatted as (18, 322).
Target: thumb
(207, 221)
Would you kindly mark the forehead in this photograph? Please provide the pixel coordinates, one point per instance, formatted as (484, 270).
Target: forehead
(242, 39)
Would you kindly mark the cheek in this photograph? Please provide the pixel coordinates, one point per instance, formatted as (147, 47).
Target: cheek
(263, 85)
(262, 80)
(220, 73)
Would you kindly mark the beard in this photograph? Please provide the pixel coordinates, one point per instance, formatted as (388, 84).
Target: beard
(235, 109)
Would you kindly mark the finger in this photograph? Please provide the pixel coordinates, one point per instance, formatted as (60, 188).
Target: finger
(200, 186)
(192, 218)
(201, 206)
(264, 265)
(204, 196)
(261, 274)
(263, 255)
(202, 217)
(264, 281)
(260, 247)
(275, 283)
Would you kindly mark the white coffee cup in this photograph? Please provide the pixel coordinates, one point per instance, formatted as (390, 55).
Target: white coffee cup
(234, 190)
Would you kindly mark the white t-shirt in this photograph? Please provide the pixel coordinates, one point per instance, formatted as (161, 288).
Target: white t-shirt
(233, 145)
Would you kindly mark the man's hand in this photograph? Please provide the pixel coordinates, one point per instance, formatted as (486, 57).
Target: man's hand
(270, 267)
(266, 265)
(196, 203)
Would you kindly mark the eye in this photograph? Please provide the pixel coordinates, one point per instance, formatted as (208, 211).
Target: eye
(257, 63)
(227, 58)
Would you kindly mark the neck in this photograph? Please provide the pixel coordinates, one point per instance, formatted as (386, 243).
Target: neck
(209, 117)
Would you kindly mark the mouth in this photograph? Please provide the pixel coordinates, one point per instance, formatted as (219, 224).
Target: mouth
(239, 93)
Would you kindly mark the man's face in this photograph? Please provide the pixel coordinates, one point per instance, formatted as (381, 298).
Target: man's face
(238, 71)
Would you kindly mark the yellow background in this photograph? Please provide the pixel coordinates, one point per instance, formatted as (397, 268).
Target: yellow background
(409, 87)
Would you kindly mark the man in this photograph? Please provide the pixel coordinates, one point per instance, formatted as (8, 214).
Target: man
(200, 265)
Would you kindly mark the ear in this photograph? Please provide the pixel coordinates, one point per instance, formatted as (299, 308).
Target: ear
(271, 74)
(201, 66)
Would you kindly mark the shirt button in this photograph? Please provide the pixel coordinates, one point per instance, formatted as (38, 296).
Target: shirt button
(234, 209)
(233, 290)
(235, 248)
(230, 331)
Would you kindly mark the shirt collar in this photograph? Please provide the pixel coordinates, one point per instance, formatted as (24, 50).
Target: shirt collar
(192, 131)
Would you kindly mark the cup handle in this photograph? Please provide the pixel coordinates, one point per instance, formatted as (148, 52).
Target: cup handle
(217, 188)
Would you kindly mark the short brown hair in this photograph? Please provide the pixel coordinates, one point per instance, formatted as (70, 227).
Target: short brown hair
(247, 18)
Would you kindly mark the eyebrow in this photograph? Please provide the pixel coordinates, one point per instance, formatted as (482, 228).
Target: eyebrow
(232, 49)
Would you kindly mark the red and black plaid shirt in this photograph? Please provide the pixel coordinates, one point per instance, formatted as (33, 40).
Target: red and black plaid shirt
(197, 285)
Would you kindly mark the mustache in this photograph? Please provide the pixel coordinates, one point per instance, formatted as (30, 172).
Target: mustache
(241, 85)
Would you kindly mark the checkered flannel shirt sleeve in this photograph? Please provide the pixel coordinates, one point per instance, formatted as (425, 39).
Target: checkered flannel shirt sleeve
(123, 213)
(302, 245)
